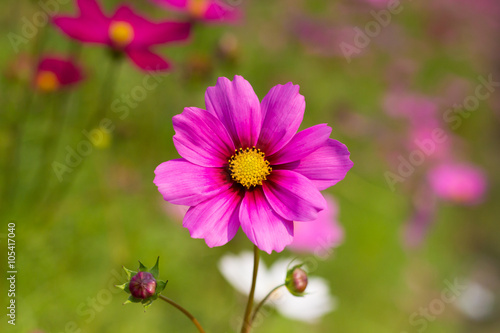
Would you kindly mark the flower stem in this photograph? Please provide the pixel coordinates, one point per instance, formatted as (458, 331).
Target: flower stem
(257, 308)
(186, 312)
(247, 321)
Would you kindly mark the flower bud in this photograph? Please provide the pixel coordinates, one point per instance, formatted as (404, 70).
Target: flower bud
(142, 285)
(296, 281)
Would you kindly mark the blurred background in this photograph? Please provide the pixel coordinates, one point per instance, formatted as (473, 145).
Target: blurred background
(410, 87)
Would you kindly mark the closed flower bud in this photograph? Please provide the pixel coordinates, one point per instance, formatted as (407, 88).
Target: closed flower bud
(296, 281)
(142, 285)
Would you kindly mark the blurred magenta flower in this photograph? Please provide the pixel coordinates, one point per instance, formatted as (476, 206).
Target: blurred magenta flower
(54, 73)
(204, 10)
(321, 235)
(460, 183)
(243, 164)
(124, 32)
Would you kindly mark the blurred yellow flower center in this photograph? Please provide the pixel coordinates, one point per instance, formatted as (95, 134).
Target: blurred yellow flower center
(121, 33)
(197, 7)
(47, 81)
(249, 167)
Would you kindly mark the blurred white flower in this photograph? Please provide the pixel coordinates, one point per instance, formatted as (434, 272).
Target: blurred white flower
(237, 270)
(476, 302)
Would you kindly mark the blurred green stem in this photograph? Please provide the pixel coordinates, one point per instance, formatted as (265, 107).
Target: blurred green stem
(247, 321)
(186, 312)
(23, 103)
(257, 308)
(56, 197)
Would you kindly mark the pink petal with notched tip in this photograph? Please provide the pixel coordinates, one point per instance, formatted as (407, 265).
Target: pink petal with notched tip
(293, 196)
(201, 138)
(282, 112)
(266, 229)
(237, 107)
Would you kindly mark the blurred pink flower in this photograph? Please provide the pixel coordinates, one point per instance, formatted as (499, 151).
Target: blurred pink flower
(123, 32)
(204, 10)
(419, 110)
(321, 38)
(54, 73)
(321, 235)
(460, 183)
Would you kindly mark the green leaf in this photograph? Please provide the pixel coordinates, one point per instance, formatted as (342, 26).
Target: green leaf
(160, 285)
(123, 287)
(129, 272)
(142, 268)
(155, 270)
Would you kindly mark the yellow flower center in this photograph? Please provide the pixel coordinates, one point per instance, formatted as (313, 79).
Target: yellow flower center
(121, 33)
(47, 81)
(249, 167)
(197, 7)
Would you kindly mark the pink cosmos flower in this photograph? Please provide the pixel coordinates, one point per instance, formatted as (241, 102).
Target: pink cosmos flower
(320, 236)
(244, 164)
(461, 183)
(204, 10)
(54, 73)
(125, 31)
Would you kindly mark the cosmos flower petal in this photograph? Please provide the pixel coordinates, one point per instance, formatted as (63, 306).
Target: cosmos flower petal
(282, 112)
(163, 32)
(147, 60)
(316, 303)
(238, 108)
(83, 29)
(318, 237)
(458, 182)
(127, 14)
(262, 225)
(326, 166)
(217, 12)
(173, 4)
(237, 270)
(90, 8)
(302, 144)
(184, 183)
(201, 138)
(293, 196)
(215, 220)
(66, 71)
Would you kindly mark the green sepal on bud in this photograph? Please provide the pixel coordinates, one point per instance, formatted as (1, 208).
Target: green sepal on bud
(296, 280)
(143, 285)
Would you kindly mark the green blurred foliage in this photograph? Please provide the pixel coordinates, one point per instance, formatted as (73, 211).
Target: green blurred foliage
(70, 247)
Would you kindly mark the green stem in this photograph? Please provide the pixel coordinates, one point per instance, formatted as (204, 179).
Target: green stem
(186, 312)
(247, 322)
(257, 308)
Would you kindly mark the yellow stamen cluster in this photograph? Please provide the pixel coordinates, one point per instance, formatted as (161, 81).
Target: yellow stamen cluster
(47, 81)
(249, 167)
(121, 33)
(197, 7)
